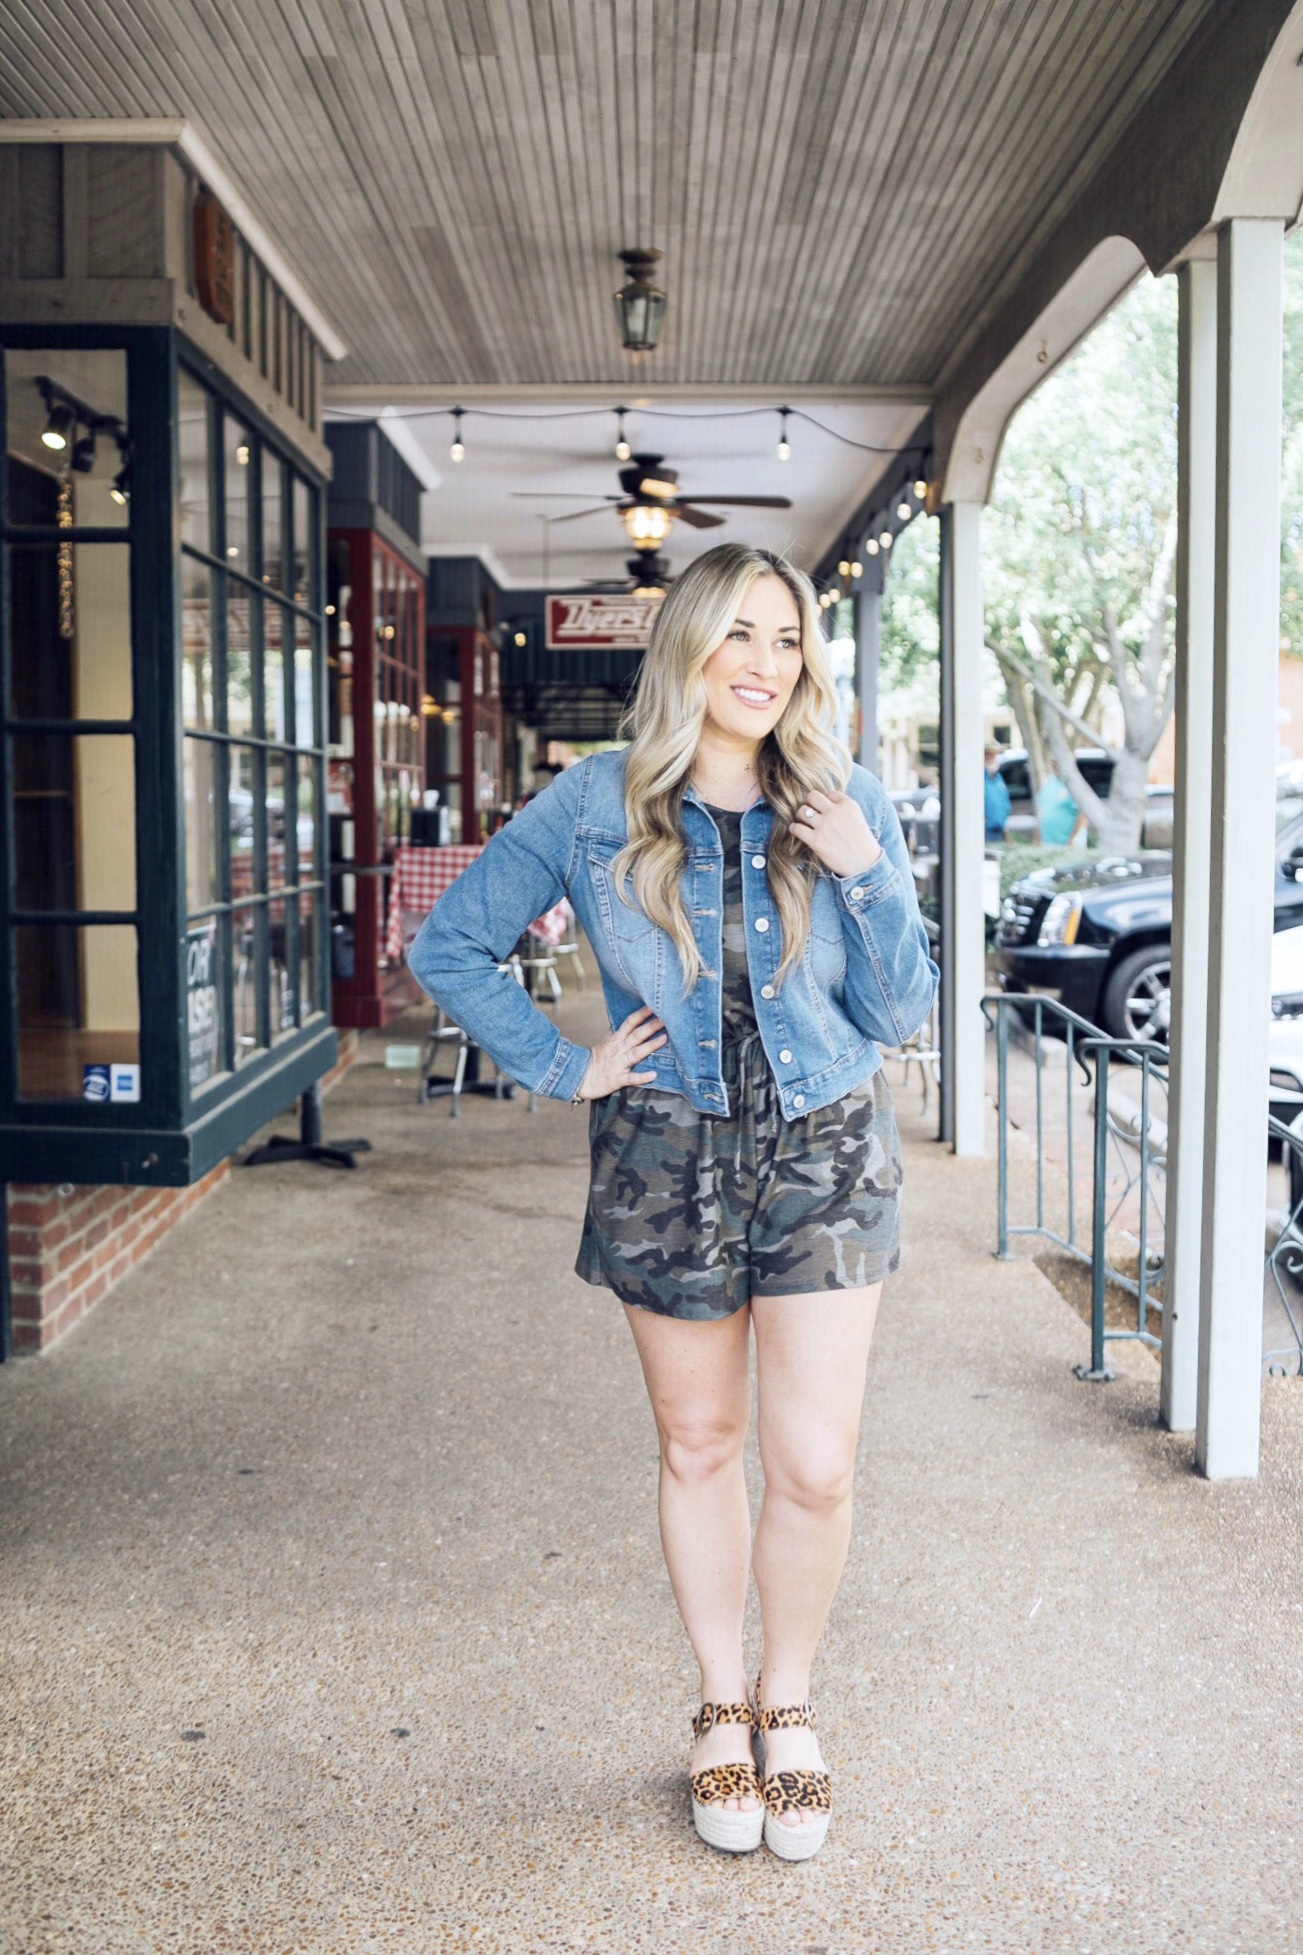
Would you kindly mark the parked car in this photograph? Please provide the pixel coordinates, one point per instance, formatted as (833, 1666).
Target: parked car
(1098, 936)
(1097, 771)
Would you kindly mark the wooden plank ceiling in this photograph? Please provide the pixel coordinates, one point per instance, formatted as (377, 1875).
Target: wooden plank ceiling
(843, 189)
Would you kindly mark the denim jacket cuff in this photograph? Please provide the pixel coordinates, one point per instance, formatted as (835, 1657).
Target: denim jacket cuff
(859, 892)
(565, 1075)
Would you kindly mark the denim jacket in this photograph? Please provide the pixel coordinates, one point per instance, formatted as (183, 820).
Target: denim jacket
(865, 975)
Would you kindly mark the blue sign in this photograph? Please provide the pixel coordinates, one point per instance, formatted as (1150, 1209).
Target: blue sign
(95, 1082)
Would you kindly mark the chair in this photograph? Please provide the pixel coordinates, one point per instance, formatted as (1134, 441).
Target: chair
(569, 947)
(444, 1032)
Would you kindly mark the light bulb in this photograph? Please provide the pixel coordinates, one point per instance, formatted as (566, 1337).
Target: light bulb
(520, 638)
(458, 449)
(920, 489)
(857, 570)
(242, 454)
(843, 568)
(784, 445)
(834, 595)
(784, 450)
(904, 511)
(887, 539)
(623, 452)
(872, 546)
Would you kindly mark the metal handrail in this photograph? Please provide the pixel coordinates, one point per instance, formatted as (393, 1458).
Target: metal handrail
(1286, 1253)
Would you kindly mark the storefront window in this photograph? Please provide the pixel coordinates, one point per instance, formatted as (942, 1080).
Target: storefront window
(252, 870)
(73, 788)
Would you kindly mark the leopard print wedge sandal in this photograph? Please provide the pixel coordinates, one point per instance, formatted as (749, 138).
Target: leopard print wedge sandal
(808, 1793)
(730, 1831)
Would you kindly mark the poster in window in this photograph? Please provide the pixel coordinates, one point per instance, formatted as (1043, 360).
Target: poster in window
(203, 1018)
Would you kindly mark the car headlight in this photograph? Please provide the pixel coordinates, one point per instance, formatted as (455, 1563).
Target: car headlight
(1287, 1004)
(1059, 924)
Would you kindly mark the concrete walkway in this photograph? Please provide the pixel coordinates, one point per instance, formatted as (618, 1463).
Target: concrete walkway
(333, 1617)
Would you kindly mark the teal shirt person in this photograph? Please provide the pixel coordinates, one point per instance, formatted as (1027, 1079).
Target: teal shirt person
(998, 805)
(1057, 812)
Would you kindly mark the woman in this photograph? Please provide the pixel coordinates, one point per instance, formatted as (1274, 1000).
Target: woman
(748, 896)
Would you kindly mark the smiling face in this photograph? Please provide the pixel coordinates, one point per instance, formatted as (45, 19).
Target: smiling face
(751, 676)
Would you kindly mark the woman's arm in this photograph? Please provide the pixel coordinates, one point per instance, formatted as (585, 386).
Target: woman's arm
(522, 873)
(890, 979)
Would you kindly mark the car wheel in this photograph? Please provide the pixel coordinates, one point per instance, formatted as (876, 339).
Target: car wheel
(1138, 997)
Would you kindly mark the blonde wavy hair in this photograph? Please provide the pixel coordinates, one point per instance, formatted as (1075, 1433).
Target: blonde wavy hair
(665, 720)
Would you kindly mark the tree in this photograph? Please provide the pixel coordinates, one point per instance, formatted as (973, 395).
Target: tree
(1078, 550)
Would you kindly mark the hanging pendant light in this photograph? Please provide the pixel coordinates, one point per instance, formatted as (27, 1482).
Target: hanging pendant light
(640, 305)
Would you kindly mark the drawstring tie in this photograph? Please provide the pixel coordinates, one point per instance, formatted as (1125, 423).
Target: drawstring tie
(744, 1067)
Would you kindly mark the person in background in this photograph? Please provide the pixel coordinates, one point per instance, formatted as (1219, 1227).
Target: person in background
(998, 805)
(1061, 820)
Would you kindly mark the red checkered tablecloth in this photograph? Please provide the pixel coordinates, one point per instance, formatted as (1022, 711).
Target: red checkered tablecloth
(420, 877)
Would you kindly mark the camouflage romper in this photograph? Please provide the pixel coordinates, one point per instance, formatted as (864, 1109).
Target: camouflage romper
(692, 1214)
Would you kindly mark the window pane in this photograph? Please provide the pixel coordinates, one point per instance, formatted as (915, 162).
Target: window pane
(275, 622)
(280, 916)
(239, 663)
(196, 473)
(306, 731)
(277, 875)
(238, 450)
(241, 802)
(249, 956)
(205, 1035)
(197, 698)
(71, 611)
(273, 520)
(78, 398)
(202, 775)
(309, 954)
(78, 1012)
(307, 817)
(75, 821)
(305, 583)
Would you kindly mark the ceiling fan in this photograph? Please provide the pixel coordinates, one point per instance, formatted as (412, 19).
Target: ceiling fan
(647, 484)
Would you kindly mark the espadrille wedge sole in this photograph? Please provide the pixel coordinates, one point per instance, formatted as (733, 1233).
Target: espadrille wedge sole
(808, 1793)
(728, 1831)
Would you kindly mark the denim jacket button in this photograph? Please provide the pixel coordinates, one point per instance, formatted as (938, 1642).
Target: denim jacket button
(798, 1099)
(757, 862)
(766, 991)
(857, 896)
(785, 1056)
(762, 924)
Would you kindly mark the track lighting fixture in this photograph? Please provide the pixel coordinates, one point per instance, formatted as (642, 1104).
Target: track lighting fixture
(59, 425)
(83, 453)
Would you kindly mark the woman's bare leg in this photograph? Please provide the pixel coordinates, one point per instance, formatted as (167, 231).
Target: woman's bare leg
(813, 1354)
(699, 1381)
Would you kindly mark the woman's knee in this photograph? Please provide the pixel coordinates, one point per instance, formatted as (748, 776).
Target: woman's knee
(698, 1443)
(814, 1471)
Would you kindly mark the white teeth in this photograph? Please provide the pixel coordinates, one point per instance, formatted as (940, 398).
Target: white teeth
(761, 698)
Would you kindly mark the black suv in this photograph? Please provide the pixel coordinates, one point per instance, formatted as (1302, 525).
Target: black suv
(1098, 936)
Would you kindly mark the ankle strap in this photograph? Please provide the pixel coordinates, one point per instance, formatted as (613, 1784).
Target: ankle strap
(786, 1717)
(712, 1714)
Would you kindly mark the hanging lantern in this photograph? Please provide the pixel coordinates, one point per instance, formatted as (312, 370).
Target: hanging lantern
(640, 305)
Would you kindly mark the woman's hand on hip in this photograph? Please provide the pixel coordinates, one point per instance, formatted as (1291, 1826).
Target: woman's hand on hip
(836, 829)
(616, 1058)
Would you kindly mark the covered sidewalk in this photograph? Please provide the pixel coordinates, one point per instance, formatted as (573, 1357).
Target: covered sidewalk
(334, 1620)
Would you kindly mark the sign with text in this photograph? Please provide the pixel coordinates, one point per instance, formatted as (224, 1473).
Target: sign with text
(203, 1022)
(600, 621)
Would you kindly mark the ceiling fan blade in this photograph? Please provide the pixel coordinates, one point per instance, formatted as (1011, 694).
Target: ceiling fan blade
(599, 509)
(743, 502)
(556, 495)
(698, 517)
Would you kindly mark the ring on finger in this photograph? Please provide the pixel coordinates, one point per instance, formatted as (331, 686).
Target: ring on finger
(808, 814)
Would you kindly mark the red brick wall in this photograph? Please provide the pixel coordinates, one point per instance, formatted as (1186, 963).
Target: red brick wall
(68, 1248)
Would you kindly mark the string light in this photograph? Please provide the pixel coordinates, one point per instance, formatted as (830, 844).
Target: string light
(623, 451)
(887, 539)
(904, 511)
(784, 445)
(844, 568)
(458, 449)
(521, 638)
(871, 546)
(920, 489)
(834, 595)
(857, 570)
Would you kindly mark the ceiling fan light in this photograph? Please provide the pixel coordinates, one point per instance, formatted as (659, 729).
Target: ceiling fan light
(652, 485)
(648, 525)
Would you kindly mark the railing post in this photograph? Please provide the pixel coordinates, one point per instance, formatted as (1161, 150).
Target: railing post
(1098, 1372)
(1002, 1128)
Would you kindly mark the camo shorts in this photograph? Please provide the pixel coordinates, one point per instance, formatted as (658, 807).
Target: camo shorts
(692, 1214)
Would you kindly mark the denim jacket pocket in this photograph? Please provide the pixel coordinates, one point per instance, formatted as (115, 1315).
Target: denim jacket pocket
(631, 935)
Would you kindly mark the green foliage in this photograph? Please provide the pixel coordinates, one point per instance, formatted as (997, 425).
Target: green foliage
(1018, 861)
(911, 628)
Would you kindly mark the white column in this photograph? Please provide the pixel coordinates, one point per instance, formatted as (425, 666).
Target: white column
(963, 832)
(1196, 515)
(868, 657)
(1246, 650)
